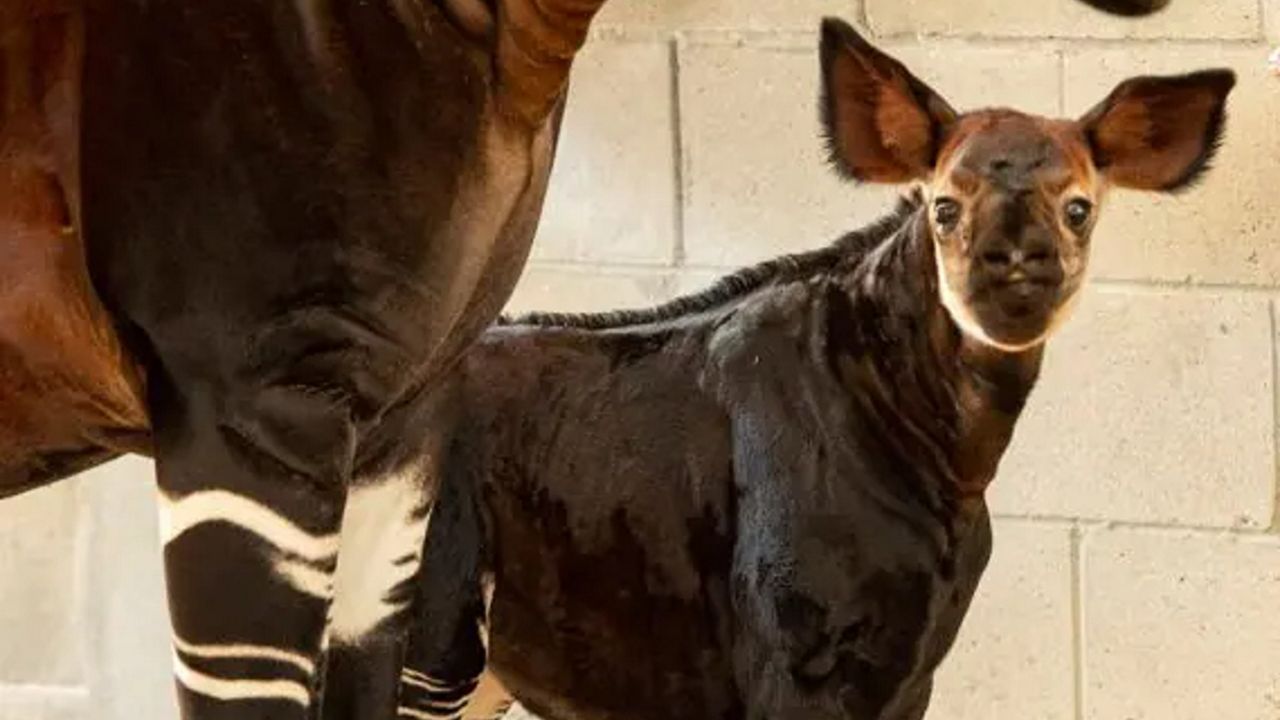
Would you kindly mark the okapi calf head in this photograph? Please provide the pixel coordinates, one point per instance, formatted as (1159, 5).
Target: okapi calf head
(1013, 198)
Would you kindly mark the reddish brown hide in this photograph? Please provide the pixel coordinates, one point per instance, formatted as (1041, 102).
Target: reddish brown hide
(69, 395)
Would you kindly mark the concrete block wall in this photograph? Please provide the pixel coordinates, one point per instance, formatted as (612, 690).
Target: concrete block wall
(1136, 574)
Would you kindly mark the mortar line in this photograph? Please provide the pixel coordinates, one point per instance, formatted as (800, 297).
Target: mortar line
(678, 252)
(802, 39)
(863, 16)
(1062, 81)
(21, 689)
(1263, 533)
(1077, 622)
(1212, 288)
(1275, 421)
(1072, 41)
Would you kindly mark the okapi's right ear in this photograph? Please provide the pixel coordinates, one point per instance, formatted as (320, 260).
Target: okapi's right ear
(882, 123)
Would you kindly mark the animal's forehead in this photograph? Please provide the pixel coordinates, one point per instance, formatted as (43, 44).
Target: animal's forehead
(1014, 150)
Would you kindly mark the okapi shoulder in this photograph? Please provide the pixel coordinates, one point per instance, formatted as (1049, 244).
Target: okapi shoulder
(772, 342)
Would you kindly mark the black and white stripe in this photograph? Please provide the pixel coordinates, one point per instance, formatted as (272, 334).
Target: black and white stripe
(381, 536)
(425, 698)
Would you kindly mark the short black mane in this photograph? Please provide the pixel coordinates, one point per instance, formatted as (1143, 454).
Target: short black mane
(846, 251)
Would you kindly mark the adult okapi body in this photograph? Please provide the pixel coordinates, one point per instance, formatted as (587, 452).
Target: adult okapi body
(238, 235)
(766, 501)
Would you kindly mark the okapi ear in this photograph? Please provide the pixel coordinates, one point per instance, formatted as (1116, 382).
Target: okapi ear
(1159, 133)
(882, 123)
(537, 41)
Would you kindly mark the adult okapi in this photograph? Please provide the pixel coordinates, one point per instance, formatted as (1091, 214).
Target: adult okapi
(766, 501)
(238, 235)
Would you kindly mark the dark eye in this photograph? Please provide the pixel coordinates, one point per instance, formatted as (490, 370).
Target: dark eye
(1078, 212)
(946, 212)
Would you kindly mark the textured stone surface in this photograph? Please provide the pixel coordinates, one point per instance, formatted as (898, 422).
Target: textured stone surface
(1013, 658)
(40, 559)
(1227, 230)
(1181, 626)
(1154, 408)
(613, 191)
(1233, 19)
(756, 183)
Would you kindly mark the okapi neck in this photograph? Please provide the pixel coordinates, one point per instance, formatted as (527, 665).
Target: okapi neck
(952, 400)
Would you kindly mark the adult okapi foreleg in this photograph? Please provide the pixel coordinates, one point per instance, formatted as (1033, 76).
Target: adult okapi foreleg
(276, 218)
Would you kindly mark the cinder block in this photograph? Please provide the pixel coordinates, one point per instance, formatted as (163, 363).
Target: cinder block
(587, 289)
(40, 630)
(1181, 626)
(756, 182)
(721, 14)
(1151, 408)
(1227, 230)
(613, 189)
(1013, 658)
(1224, 19)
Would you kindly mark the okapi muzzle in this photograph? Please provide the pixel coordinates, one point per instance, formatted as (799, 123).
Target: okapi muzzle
(1013, 198)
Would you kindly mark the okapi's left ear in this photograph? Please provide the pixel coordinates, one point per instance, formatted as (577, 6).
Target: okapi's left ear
(882, 123)
(1159, 133)
(536, 43)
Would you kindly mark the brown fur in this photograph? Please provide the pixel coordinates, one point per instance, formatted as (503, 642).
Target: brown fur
(69, 393)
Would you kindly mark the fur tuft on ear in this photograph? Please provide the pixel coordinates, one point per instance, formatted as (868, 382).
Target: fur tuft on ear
(882, 124)
(1159, 133)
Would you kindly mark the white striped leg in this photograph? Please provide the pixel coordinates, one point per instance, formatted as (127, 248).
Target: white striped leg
(250, 586)
(380, 551)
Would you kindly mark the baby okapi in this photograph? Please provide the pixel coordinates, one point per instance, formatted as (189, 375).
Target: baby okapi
(766, 501)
